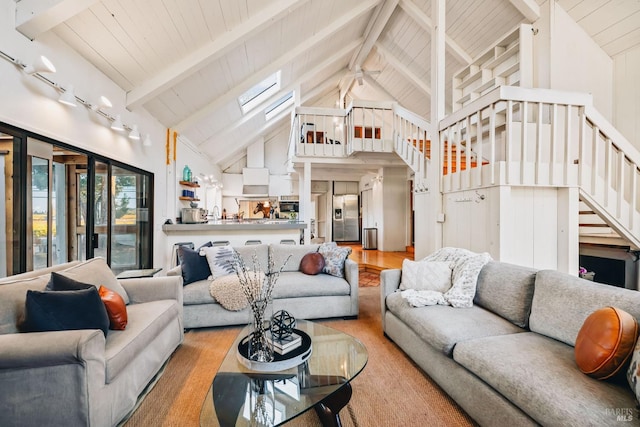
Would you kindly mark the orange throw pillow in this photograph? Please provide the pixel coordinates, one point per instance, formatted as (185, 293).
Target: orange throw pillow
(116, 308)
(605, 342)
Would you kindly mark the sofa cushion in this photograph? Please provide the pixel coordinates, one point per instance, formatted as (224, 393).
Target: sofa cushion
(12, 301)
(426, 275)
(466, 268)
(146, 321)
(334, 258)
(539, 375)
(294, 284)
(312, 263)
(65, 310)
(280, 252)
(258, 252)
(193, 266)
(116, 308)
(197, 293)
(58, 282)
(96, 272)
(561, 303)
(633, 372)
(220, 259)
(506, 290)
(605, 342)
(443, 327)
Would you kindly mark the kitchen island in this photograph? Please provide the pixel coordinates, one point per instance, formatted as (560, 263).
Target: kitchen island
(237, 233)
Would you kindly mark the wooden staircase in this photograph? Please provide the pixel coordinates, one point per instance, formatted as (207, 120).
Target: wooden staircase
(594, 230)
(424, 146)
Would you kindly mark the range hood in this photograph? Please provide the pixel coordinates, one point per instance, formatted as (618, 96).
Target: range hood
(255, 182)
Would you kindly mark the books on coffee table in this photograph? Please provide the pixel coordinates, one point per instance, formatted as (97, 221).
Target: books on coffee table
(285, 345)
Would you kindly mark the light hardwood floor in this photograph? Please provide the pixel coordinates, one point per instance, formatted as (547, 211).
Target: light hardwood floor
(372, 260)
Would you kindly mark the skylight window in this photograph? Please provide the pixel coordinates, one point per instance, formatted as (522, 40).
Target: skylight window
(279, 106)
(259, 93)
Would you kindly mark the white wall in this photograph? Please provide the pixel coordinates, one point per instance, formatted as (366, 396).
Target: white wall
(626, 107)
(521, 225)
(390, 197)
(567, 58)
(32, 105)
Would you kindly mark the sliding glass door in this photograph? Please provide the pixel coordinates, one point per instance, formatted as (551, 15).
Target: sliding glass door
(60, 205)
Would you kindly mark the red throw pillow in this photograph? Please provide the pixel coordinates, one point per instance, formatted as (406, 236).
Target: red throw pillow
(116, 308)
(312, 263)
(605, 342)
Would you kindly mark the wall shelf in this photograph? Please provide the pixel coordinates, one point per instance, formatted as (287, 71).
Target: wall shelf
(189, 199)
(190, 184)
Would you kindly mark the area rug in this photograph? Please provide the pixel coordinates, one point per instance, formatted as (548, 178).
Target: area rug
(391, 390)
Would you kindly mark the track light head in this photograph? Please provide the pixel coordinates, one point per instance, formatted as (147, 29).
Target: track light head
(117, 124)
(41, 65)
(134, 134)
(68, 97)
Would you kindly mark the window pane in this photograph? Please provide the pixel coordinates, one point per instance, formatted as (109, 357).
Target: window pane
(130, 234)
(101, 211)
(39, 211)
(7, 237)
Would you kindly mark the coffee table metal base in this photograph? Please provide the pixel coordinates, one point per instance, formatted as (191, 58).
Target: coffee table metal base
(329, 409)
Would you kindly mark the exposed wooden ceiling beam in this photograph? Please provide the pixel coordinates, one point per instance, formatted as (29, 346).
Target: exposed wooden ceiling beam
(528, 8)
(303, 47)
(427, 24)
(35, 17)
(382, 17)
(396, 64)
(210, 52)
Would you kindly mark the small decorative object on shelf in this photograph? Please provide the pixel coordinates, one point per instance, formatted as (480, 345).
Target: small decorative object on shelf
(257, 287)
(584, 274)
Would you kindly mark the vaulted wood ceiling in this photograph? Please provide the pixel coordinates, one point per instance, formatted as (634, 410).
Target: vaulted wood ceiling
(187, 61)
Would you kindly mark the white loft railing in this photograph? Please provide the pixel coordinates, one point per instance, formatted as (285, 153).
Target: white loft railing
(412, 142)
(538, 137)
(332, 132)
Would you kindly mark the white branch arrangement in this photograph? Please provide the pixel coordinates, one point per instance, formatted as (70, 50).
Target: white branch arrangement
(257, 283)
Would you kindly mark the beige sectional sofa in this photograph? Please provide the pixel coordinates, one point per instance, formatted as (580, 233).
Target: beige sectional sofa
(509, 360)
(303, 296)
(81, 377)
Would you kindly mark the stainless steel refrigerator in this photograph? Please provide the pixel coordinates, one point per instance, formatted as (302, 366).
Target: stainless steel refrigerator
(346, 226)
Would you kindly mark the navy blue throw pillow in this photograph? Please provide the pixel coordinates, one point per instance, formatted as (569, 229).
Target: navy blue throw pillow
(58, 282)
(65, 310)
(194, 266)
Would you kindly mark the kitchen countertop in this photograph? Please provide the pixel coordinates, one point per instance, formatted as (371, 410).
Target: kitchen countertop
(247, 224)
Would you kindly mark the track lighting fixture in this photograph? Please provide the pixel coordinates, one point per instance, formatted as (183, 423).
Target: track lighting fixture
(117, 124)
(68, 97)
(104, 103)
(40, 65)
(134, 134)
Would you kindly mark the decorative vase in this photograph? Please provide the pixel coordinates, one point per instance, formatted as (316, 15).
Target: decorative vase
(260, 348)
(262, 403)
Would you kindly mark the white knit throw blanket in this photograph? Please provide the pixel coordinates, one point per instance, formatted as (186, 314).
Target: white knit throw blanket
(467, 266)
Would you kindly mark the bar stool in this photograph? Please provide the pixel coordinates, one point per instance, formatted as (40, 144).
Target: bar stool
(287, 242)
(253, 242)
(220, 243)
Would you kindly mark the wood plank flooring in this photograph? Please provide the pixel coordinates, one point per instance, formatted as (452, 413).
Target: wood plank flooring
(371, 260)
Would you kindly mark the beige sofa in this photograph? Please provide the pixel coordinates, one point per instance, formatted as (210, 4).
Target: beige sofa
(303, 296)
(79, 377)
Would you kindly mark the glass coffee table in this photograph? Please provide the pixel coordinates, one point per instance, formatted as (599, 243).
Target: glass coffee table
(240, 397)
